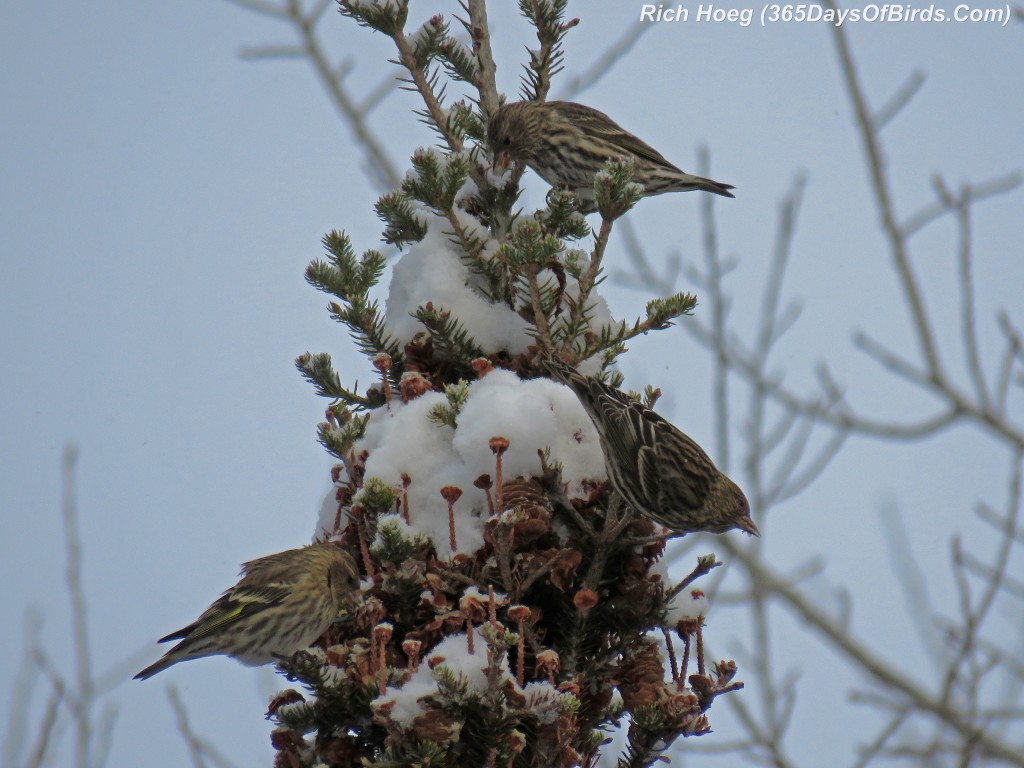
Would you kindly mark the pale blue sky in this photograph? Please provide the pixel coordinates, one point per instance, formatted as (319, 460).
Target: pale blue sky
(159, 199)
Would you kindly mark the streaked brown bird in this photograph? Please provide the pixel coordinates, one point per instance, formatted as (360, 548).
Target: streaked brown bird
(281, 605)
(567, 143)
(657, 469)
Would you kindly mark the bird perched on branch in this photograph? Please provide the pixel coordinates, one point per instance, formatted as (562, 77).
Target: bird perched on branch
(656, 469)
(280, 606)
(568, 143)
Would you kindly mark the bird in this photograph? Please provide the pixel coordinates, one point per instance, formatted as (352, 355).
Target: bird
(281, 605)
(658, 470)
(568, 143)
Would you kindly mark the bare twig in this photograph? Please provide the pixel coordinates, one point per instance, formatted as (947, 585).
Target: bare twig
(719, 317)
(382, 170)
(967, 310)
(21, 691)
(883, 195)
(868, 753)
(79, 630)
(899, 100)
(984, 190)
(47, 723)
(587, 281)
(480, 31)
(202, 753)
(841, 640)
(604, 63)
(911, 579)
(974, 615)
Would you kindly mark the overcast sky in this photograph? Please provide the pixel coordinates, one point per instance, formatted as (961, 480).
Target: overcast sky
(160, 197)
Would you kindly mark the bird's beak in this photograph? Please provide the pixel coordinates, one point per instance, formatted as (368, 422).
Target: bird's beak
(746, 524)
(501, 162)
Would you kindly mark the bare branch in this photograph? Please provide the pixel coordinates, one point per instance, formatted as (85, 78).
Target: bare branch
(899, 100)
(641, 274)
(798, 481)
(47, 723)
(382, 170)
(262, 7)
(76, 594)
(967, 311)
(384, 89)
(986, 572)
(719, 311)
(282, 51)
(608, 59)
(203, 753)
(480, 31)
(866, 660)
(1013, 354)
(21, 690)
(867, 754)
(1000, 185)
(105, 735)
(911, 578)
(883, 195)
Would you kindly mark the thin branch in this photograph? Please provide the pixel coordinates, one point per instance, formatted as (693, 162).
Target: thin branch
(21, 691)
(422, 84)
(869, 752)
(960, 406)
(911, 578)
(719, 306)
(262, 7)
(974, 616)
(282, 51)
(384, 89)
(79, 629)
(967, 312)
(989, 516)
(883, 195)
(899, 100)
(608, 59)
(203, 753)
(577, 313)
(481, 34)
(798, 481)
(986, 572)
(105, 735)
(47, 723)
(1014, 353)
(641, 274)
(995, 187)
(865, 659)
(382, 170)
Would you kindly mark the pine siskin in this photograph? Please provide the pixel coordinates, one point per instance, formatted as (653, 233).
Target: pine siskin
(282, 603)
(567, 144)
(654, 467)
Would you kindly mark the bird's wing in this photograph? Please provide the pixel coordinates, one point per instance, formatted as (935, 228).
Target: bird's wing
(279, 567)
(599, 125)
(686, 472)
(649, 473)
(638, 148)
(623, 431)
(234, 605)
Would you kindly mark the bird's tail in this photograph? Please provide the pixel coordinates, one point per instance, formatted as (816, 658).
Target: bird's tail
(591, 391)
(557, 369)
(674, 180)
(710, 185)
(159, 666)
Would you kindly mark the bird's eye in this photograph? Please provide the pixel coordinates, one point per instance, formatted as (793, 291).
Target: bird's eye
(507, 141)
